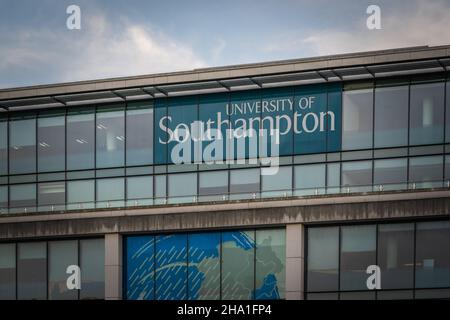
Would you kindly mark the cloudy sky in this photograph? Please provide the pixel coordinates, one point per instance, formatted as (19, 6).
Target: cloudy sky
(134, 37)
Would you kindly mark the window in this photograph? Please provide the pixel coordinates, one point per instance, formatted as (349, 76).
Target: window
(32, 271)
(213, 185)
(22, 146)
(426, 172)
(357, 175)
(110, 192)
(140, 190)
(238, 265)
(427, 113)
(3, 146)
(110, 137)
(333, 177)
(390, 174)
(270, 264)
(323, 259)
(81, 139)
(139, 134)
(244, 183)
(22, 196)
(51, 195)
(432, 255)
(310, 179)
(81, 194)
(204, 266)
(447, 112)
(358, 251)
(278, 184)
(391, 116)
(396, 255)
(61, 254)
(357, 123)
(92, 264)
(51, 143)
(7, 271)
(182, 187)
(160, 189)
(3, 198)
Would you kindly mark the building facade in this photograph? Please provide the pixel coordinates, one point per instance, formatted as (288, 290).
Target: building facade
(280, 180)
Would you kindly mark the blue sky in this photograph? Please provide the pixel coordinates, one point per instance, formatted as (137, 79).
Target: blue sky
(123, 38)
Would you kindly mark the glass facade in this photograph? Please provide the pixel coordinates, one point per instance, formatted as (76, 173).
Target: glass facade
(38, 270)
(411, 264)
(245, 264)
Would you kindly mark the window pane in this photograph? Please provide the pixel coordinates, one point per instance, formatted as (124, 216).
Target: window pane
(22, 146)
(51, 144)
(140, 190)
(110, 192)
(395, 294)
(140, 268)
(323, 259)
(32, 271)
(244, 182)
(333, 177)
(3, 198)
(426, 171)
(22, 196)
(310, 179)
(139, 135)
(204, 266)
(390, 173)
(323, 296)
(238, 265)
(182, 187)
(51, 194)
(396, 255)
(357, 121)
(81, 194)
(213, 185)
(7, 271)
(391, 116)
(357, 175)
(357, 295)
(3, 147)
(278, 184)
(427, 113)
(160, 189)
(61, 254)
(432, 256)
(110, 138)
(358, 247)
(92, 264)
(81, 140)
(447, 112)
(171, 267)
(270, 264)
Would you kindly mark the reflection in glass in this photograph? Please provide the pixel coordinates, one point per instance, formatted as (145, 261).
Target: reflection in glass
(396, 255)
(278, 184)
(3, 197)
(426, 172)
(139, 134)
(110, 192)
(81, 194)
(323, 259)
(110, 137)
(182, 187)
(61, 254)
(160, 189)
(140, 190)
(32, 271)
(357, 123)
(447, 112)
(391, 174)
(204, 266)
(244, 183)
(391, 116)
(333, 177)
(357, 175)
(433, 254)
(426, 113)
(270, 275)
(51, 194)
(7, 271)
(213, 185)
(22, 196)
(92, 264)
(3, 147)
(81, 139)
(22, 146)
(358, 251)
(51, 143)
(309, 179)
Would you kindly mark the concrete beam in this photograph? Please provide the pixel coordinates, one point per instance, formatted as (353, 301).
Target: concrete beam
(295, 262)
(113, 266)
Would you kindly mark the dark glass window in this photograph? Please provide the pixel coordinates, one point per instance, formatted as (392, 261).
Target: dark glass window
(139, 134)
(22, 196)
(426, 172)
(396, 255)
(427, 113)
(92, 264)
(433, 254)
(61, 254)
(32, 271)
(447, 112)
(8, 271)
(323, 259)
(22, 146)
(391, 116)
(3, 197)
(3, 147)
(110, 137)
(357, 175)
(81, 139)
(390, 174)
(51, 143)
(357, 122)
(358, 251)
(51, 194)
